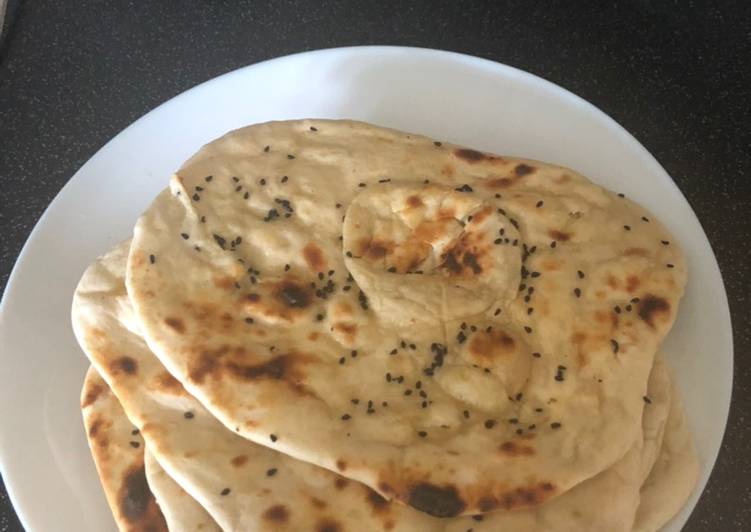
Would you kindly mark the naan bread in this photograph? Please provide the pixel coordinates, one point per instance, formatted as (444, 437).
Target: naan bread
(673, 476)
(181, 511)
(117, 449)
(483, 290)
(266, 489)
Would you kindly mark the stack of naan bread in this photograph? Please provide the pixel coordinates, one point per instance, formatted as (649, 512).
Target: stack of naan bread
(331, 326)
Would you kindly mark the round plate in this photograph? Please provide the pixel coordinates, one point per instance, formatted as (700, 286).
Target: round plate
(43, 451)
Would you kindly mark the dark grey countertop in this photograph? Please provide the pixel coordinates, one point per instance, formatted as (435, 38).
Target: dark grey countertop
(675, 74)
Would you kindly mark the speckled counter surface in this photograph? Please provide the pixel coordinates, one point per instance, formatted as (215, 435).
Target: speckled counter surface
(675, 74)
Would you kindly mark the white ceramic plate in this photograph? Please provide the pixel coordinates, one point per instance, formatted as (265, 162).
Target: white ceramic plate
(43, 452)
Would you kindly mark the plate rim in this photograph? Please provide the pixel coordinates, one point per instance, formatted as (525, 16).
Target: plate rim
(494, 66)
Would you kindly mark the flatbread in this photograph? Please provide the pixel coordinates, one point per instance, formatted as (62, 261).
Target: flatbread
(117, 449)
(240, 278)
(267, 489)
(181, 511)
(674, 475)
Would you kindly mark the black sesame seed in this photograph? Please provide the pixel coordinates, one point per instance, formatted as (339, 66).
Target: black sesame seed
(422, 434)
(408, 392)
(267, 148)
(393, 351)
(644, 219)
(345, 417)
(614, 345)
(437, 143)
(273, 437)
(196, 197)
(208, 178)
(647, 400)
(134, 432)
(627, 227)
(355, 401)
(665, 242)
(246, 195)
(152, 259)
(185, 236)
(577, 292)
(670, 265)
(466, 414)
(513, 421)
(225, 491)
(135, 444)
(497, 311)
(539, 204)
(392, 269)
(555, 425)
(271, 472)
(188, 415)
(528, 329)
(628, 308)
(290, 156)
(553, 244)
(489, 423)
(536, 354)
(621, 195)
(534, 274)
(464, 188)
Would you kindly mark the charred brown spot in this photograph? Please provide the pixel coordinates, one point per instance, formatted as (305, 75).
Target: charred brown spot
(470, 260)
(528, 496)
(650, 306)
(481, 215)
(632, 283)
(450, 263)
(385, 487)
(612, 282)
(435, 500)
(374, 249)
(377, 502)
(252, 298)
(313, 336)
(94, 428)
(239, 460)
(314, 257)
(318, 503)
(165, 382)
(175, 324)
(414, 201)
(340, 483)
(511, 448)
(485, 504)
(277, 514)
(469, 155)
(135, 501)
(225, 283)
(560, 236)
(92, 394)
(328, 525)
(125, 365)
(341, 465)
(523, 169)
(349, 330)
(500, 182)
(274, 369)
(488, 347)
(293, 295)
(208, 363)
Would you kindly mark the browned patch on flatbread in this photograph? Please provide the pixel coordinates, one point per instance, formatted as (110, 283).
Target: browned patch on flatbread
(582, 359)
(239, 460)
(176, 324)
(481, 215)
(563, 178)
(166, 383)
(341, 465)
(136, 504)
(560, 236)
(510, 448)
(612, 282)
(550, 265)
(438, 501)
(314, 257)
(632, 283)
(445, 213)
(527, 496)
(124, 364)
(92, 394)
(94, 427)
(384, 487)
(636, 252)
(651, 306)
(469, 155)
(343, 308)
(499, 182)
(328, 525)
(377, 503)
(224, 282)
(414, 201)
(347, 330)
(207, 363)
(313, 336)
(373, 248)
(340, 482)
(523, 169)
(138, 258)
(276, 514)
(447, 170)
(467, 257)
(318, 503)
(486, 504)
(287, 299)
(487, 348)
(602, 317)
